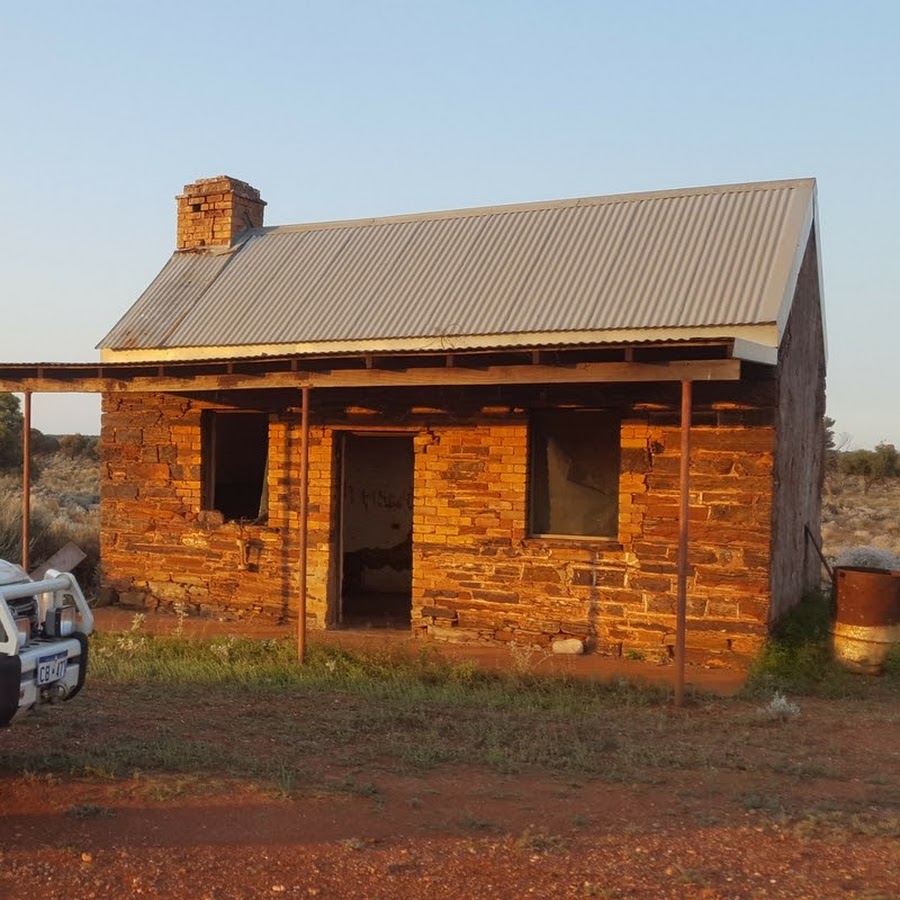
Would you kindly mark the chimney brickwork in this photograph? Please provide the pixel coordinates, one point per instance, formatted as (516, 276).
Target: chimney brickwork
(213, 211)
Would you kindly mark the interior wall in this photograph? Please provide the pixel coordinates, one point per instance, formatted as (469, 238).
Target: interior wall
(377, 511)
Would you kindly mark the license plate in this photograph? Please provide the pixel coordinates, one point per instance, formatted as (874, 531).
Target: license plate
(52, 668)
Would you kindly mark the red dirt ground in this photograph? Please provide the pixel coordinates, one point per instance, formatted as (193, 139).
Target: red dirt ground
(456, 835)
(465, 832)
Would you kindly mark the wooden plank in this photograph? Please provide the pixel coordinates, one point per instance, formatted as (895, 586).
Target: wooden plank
(64, 560)
(580, 373)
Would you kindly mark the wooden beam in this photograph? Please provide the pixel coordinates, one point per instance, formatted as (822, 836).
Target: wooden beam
(580, 373)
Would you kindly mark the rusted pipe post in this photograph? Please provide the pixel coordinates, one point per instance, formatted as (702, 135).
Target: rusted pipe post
(26, 479)
(683, 518)
(304, 529)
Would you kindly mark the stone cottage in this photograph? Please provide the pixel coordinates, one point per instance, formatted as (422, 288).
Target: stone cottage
(516, 423)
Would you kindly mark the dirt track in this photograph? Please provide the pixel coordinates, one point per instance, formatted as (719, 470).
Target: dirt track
(451, 835)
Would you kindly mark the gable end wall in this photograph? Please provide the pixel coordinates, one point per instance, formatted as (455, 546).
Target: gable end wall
(799, 447)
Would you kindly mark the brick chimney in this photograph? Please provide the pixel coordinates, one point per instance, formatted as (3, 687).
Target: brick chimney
(213, 211)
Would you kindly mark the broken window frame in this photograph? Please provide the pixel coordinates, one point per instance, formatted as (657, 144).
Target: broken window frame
(253, 507)
(588, 444)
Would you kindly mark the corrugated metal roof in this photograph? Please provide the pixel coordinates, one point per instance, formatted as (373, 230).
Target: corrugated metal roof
(171, 297)
(718, 256)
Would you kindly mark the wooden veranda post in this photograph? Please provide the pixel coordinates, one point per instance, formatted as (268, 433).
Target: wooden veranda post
(304, 529)
(683, 518)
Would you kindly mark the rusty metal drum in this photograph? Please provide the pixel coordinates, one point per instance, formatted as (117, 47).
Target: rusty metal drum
(867, 617)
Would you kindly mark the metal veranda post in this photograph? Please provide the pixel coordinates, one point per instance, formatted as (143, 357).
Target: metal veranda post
(683, 519)
(26, 479)
(304, 528)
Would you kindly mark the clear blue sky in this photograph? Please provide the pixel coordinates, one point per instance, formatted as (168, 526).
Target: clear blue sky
(351, 109)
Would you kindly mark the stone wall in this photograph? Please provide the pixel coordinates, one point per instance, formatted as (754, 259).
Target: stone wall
(159, 548)
(477, 574)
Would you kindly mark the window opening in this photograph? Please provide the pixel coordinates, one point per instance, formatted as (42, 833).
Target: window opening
(574, 473)
(235, 457)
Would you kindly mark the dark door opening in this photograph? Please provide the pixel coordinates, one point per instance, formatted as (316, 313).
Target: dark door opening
(376, 531)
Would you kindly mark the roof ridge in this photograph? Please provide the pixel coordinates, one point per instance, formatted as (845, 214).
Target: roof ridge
(530, 206)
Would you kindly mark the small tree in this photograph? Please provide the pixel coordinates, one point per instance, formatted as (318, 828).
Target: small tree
(834, 446)
(73, 445)
(11, 423)
(830, 454)
(828, 426)
(43, 443)
(872, 466)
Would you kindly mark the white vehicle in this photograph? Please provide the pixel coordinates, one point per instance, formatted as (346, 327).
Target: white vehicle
(43, 639)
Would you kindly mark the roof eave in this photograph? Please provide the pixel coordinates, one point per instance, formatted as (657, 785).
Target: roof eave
(762, 336)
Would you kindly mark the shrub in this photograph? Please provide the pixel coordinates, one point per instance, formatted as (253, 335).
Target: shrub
(868, 557)
(872, 466)
(43, 443)
(74, 445)
(779, 708)
(53, 523)
(798, 658)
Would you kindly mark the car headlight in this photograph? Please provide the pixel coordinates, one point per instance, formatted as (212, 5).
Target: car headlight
(61, 622)
(23, 627)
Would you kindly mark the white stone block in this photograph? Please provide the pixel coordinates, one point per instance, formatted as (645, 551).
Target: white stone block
(569, 645)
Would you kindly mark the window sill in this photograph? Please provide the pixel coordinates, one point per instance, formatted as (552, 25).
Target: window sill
(214, 518)
(576, 541)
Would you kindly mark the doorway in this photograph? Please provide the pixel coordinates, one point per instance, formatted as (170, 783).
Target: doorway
(375, 532)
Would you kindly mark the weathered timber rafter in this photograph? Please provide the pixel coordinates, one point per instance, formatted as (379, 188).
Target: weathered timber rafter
(102, 379)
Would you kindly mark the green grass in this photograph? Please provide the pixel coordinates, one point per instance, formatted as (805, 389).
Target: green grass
(163, 708)
(420, 681)
(798, 659)
(891, 665)
(162, 705)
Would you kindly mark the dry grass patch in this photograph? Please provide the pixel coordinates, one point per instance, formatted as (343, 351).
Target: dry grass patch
(852, 518)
